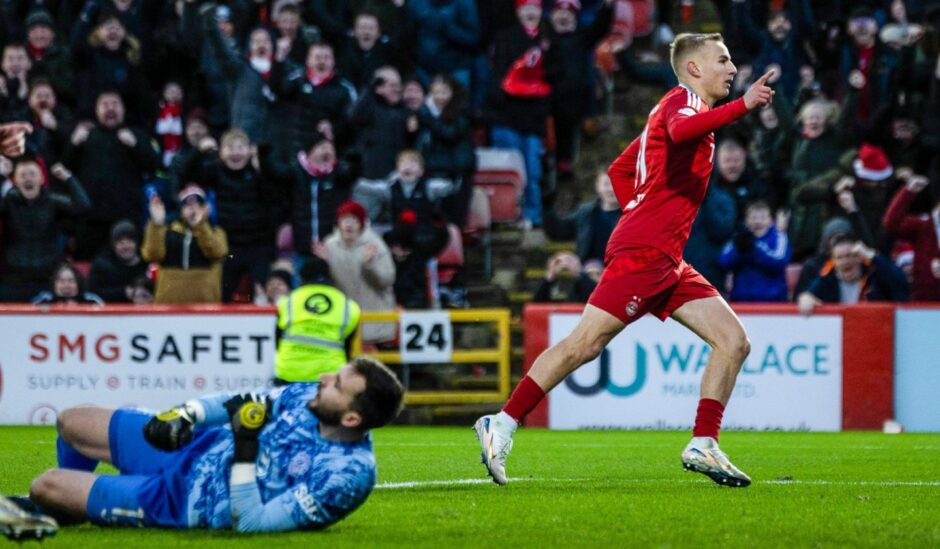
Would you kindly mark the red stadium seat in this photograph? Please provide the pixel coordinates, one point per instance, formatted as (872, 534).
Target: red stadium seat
(501, 175)
(450, 260)
(83, 267)
(793, 276)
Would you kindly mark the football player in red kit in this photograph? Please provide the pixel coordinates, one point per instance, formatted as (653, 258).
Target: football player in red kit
(660, 181)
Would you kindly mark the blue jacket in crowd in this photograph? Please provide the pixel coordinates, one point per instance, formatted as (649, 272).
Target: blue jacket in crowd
(759, 274)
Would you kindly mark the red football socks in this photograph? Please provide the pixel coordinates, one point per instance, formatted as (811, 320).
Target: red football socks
(525, 398)
(708, 418)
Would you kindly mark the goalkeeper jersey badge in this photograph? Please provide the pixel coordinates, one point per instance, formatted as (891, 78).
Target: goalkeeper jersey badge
(299, 464)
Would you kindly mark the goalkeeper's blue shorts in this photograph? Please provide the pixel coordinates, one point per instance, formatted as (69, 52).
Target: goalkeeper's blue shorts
(140, 495)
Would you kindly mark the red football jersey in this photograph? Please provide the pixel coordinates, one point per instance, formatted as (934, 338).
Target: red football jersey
(661, 178)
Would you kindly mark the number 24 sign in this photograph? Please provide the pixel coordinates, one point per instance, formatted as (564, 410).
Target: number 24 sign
(425, 337)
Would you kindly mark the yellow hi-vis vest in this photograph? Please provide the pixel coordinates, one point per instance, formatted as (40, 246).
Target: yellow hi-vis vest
(315, 321)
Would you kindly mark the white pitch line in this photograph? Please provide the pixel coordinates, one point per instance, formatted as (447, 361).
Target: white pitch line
(471, 481)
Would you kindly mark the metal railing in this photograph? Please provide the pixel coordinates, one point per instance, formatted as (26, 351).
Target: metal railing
(500, 356)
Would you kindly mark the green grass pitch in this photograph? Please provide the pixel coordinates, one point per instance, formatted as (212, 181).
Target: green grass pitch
(604, 489)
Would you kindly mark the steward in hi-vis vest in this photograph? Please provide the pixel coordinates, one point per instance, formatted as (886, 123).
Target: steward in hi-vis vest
(315, 326)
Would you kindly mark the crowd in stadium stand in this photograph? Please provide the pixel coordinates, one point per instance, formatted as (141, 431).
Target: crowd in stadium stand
(194, 152)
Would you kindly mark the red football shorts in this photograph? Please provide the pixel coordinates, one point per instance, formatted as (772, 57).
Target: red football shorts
(645, 280)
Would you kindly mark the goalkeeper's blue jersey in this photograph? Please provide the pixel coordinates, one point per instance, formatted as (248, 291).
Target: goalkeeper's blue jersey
(304, 480)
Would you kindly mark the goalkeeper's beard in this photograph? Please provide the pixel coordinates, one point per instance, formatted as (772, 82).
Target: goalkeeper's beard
(330, 418)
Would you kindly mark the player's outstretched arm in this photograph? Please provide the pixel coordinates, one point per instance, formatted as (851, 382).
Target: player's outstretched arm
(687, 128)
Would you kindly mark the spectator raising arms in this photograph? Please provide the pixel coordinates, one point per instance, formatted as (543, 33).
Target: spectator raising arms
(379, 121)
(523, 70)
(321, 99)
(32, 216)
(111, 159)
(923, 232)
(247, 76)
(108, 58)
(244, 204)
(317, 183)
(189, 252)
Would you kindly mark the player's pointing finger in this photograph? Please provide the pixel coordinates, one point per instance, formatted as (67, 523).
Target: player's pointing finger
(763, 79)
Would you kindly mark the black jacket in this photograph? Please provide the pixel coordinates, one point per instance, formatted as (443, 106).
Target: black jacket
(881, 281)
(244, 199)
(573, 51)
(31, 230)
(525, 115)
(109, 278)
(445, 144)
(314, 199)
(381, 134)
(331, 100)
(113, 173)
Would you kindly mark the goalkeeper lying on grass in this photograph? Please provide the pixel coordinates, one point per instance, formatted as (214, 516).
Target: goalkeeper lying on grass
(296, 457)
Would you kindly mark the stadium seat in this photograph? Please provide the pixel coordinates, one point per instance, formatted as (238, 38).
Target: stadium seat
(793, 276)
(450, 260)
(501, 175)
(84, 267)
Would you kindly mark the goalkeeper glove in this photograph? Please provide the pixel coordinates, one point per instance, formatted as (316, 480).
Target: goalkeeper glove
(247, 413)
(172, 429)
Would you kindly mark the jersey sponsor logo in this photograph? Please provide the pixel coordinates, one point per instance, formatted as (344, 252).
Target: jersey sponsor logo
(688, 111)
(305, 500)
(318, 304)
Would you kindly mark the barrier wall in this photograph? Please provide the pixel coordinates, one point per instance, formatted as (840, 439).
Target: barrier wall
(827, 372)
(153, 357)
(917, 368)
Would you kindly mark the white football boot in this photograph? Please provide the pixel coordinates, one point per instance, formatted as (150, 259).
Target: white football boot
(702, 455)
(496, 440)
(18, 524)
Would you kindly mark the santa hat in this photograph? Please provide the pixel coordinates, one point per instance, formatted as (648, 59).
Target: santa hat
(872, 163)
(353, 208)
(522, 3)
(573, 5)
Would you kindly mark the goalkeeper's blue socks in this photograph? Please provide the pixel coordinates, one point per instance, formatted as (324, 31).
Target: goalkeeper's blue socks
(70, 458)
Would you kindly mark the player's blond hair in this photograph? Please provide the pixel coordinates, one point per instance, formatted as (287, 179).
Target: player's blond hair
(686, 44)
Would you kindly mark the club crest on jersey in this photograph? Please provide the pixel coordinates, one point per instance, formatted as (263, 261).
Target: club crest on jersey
(633, 307)
(299, 464)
